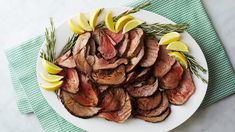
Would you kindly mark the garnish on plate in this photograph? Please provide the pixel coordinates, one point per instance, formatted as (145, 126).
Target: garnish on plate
(53, 82)
(49, 54)
(181, 53)
(118, 61)
(128, 12)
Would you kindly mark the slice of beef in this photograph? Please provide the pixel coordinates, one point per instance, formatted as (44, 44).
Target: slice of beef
(142, 74)
(156, 111)
(81, 62)
(124, 46)
(155, 119)
(136, 38)
(90, 60)
(87, 95)
(116, 37)
(113, 100)
(137, 76)
(66, 60)
(151, 52)
(81, 42)
(184, 91)
(63, 57)
(148, 103)
(121, 115)
(71, 81)
(103, 88)
(75, 108)
(130, 76)
(92, 46)
(135, 60)
(106, 44)
(110, 77)
(173, 77)
(163, 63)
(143, 90)
(79, 53)
(101, 64)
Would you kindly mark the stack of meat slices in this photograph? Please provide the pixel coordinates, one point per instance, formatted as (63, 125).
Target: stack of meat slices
(115, 76)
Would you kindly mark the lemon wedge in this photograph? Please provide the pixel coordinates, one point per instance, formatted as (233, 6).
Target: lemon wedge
(178, 46)
(75, 28)
(122, 21)
(50, 78)
(169, 37)
(94, 17)
(131, 25)
(83, 22)
(50, 67)
(51, 86)
(108, 20)
(180, 58)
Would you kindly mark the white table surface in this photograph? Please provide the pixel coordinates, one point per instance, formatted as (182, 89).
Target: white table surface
(22, 19)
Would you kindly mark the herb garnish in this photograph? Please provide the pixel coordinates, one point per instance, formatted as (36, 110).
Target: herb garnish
(49, 55)
(70, 43)
(161, 29)
(194, 67)
(131, 11)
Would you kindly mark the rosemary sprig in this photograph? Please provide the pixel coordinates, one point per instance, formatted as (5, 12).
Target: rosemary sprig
(194, 67)
(131, 11)
(161, 29)
(70, 43)
(49, 54)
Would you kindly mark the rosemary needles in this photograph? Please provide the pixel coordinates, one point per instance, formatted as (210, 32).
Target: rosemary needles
(194, 67)
(50, 43)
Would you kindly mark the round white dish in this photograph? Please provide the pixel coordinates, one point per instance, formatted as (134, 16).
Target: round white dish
(178, 115)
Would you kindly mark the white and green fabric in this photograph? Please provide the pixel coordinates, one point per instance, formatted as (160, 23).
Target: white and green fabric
(22, 63)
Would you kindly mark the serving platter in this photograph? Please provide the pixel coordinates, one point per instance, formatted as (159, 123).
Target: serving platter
(178, 115)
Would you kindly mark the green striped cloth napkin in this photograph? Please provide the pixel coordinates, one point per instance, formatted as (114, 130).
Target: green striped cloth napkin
(22, 63)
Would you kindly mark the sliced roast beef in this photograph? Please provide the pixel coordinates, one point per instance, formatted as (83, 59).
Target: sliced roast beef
(163, 63)
(183, 92)
(90, 60)
(173, 77)
(114, 99)
(92, 46)
(136, 42)
(87, 95)
(75, 108)
(116, 37)
(142, 74)
(63, 57)
(79, 53)
(155, 119)
(158, 110)
(101, 64)
(102, 88)
(135, 60)
(151, 52)
(71, 82)
(143, 90)
(106, 44)
(124, 46)
(148, 103)
(130, 76)
(66, 60)
(121, 115)
(81, 42)
(68, 63)
(82, 64)
(110, 77)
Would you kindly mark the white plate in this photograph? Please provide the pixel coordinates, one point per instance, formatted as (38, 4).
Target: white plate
(178, 115)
